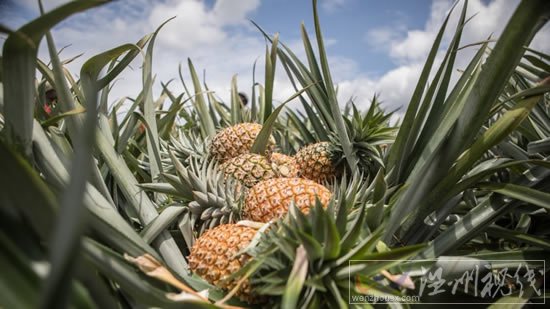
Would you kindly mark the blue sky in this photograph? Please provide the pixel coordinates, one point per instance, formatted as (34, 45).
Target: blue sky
(373, 46)
(347, 22)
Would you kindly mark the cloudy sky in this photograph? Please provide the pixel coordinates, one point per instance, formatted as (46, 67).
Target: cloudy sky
(373, 46)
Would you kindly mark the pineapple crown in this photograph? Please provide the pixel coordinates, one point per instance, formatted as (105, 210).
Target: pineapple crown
(370, 134)
(184, 145)
(216, 200)
(197, 183)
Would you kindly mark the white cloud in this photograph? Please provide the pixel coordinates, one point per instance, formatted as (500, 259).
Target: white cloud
(48, 4)
(331, 5)
(413, 48)
(198, 32)
(540, 41)
(213, 36)
(408, 48)
(380, 38)
(394, 87)
(194, 26)
(234, 12)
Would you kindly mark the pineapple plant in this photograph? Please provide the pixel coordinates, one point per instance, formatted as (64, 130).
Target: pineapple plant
(212, 199)
(227, 257)
(270, 199)
(469, 168)
(303, 260)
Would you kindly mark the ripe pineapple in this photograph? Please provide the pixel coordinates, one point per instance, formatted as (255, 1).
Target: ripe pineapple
(270, 199)
(369, 134)
(320, 244)
(236, 140)
(249, 169)
(318, 161)
(215, 256)
(286, 164)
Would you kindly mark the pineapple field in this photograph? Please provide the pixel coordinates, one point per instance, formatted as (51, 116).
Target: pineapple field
(185, 201)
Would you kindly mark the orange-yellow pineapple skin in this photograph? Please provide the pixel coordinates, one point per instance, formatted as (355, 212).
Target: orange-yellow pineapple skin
(236, 140)
(315, 162)
(270, 199)
(249, 169)
(214, 257)
(286, 165)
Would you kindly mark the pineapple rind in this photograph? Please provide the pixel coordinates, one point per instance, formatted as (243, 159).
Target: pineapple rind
(215, 256)
(286, 165)
(271, 199)
(249, 169)
(236, 140)
(316, 162)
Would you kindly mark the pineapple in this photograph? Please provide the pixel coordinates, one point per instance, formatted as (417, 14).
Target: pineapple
(324, 235)
(249, 169)
(286, 164)
(317, 161)
(236, 140)
(270, 199)
(216, 255)
(319, 245)
(369, 134)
